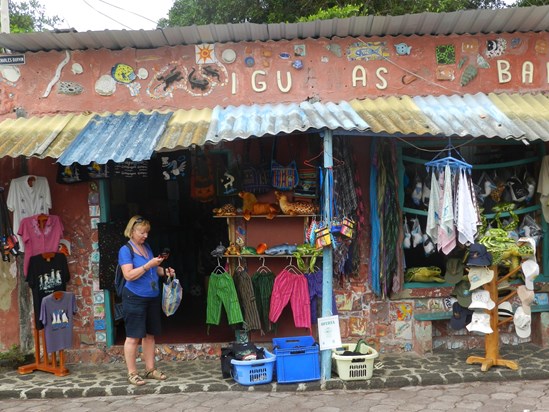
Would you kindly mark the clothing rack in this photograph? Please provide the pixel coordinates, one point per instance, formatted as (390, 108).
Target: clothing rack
(45, 362)
(491, 341)
(454, 162)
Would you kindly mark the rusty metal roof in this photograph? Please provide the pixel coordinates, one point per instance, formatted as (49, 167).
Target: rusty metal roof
(508, 20)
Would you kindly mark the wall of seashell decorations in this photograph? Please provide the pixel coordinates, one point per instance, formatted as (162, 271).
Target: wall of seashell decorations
(206, 75)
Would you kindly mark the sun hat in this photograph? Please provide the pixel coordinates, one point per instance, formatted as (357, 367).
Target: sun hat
(479, 276)
(454, 270)
(479, 255)
(460, 316)
(462, 293)
(505, 310)
(526, 297)
(481, 300)
(480, 322)
(530, 270)
(523, 322)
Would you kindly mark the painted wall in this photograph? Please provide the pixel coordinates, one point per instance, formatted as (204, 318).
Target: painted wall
(265, 72)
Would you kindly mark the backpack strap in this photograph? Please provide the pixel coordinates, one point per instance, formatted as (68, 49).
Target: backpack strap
(129, 247)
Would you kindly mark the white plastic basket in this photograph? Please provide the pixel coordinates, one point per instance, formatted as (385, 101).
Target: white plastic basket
(355, 367)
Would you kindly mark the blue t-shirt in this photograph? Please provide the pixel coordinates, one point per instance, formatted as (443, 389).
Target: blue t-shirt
(147, 285)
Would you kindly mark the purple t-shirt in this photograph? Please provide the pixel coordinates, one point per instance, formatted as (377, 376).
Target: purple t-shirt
(57, 318)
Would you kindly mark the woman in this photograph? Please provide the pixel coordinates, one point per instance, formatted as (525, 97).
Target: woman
(141, 299)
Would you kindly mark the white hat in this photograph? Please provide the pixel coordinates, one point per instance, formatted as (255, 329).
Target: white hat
(480, 275)
(530, 269)
(526, 297)
(481, 300)
(505, 310)
(522, 323)
(480, 322)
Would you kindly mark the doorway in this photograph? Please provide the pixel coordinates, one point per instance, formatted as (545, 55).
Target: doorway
(185, 226)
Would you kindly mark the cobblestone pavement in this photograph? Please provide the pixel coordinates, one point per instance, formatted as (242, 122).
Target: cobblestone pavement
(517, 396)
(199, 376)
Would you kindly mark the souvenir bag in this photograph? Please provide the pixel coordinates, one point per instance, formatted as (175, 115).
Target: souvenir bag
(347, 227)
(255, 179)
(227, 178)
(323, 237)
(172, 293)
(307, 186)
(202, 182)
(283, 178)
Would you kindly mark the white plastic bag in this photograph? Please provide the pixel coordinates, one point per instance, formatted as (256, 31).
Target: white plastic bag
(172, 292)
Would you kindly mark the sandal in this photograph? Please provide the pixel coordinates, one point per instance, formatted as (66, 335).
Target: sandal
(155, 374)
(135, 379)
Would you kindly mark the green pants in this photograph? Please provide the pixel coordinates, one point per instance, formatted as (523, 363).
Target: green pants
(221, 291)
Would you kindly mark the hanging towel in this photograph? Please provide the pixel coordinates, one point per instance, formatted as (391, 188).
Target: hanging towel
(446, 232)
(543, 187)
(465, 211)
(433, 217)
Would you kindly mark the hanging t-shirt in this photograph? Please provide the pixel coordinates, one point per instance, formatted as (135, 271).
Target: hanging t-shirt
(45, 276)
(28, 196)
(57, 317)
(40, 240)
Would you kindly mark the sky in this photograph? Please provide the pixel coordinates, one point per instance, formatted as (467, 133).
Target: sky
(84, 15)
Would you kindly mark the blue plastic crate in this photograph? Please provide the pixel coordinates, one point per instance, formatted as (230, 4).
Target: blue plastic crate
(297, 359)
(254, 372)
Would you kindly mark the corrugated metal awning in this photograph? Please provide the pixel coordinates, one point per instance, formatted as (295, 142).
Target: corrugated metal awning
(116, 137)
(507, 116)
(529, 112)
(232, 122)
(186, 128)
(120, 136)
(40, 136)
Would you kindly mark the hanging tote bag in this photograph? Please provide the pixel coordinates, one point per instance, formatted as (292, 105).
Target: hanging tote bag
(256, 178)
(283, 177)
(172, 292)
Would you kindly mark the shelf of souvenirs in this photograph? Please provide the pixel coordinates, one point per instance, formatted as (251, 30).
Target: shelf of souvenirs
(240, 216)
(269, 256)
(520, 211)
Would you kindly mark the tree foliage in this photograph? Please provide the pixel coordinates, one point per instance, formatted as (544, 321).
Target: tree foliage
(200, 12)
(27, 17)
(528, 3)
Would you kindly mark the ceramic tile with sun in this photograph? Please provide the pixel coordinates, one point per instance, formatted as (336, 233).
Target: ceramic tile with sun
(205, 54)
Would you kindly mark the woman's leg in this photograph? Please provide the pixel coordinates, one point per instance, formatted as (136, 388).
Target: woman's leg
(148, 343)
(130, 353)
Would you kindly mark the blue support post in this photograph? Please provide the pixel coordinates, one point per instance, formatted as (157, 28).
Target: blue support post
(104, 217)
(327, 258)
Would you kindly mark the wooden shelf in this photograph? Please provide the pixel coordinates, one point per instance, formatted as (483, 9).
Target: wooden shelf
(263, 216)
(267, 256)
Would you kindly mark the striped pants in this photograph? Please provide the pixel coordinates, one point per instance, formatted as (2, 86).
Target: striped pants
(221, 291)
(245, 290)
(293, 288)
(263, 287)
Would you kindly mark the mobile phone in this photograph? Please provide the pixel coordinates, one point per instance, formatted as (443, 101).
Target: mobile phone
(165, 253)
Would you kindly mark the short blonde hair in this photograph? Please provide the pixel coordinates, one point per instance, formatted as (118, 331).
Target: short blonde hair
(136, 221)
